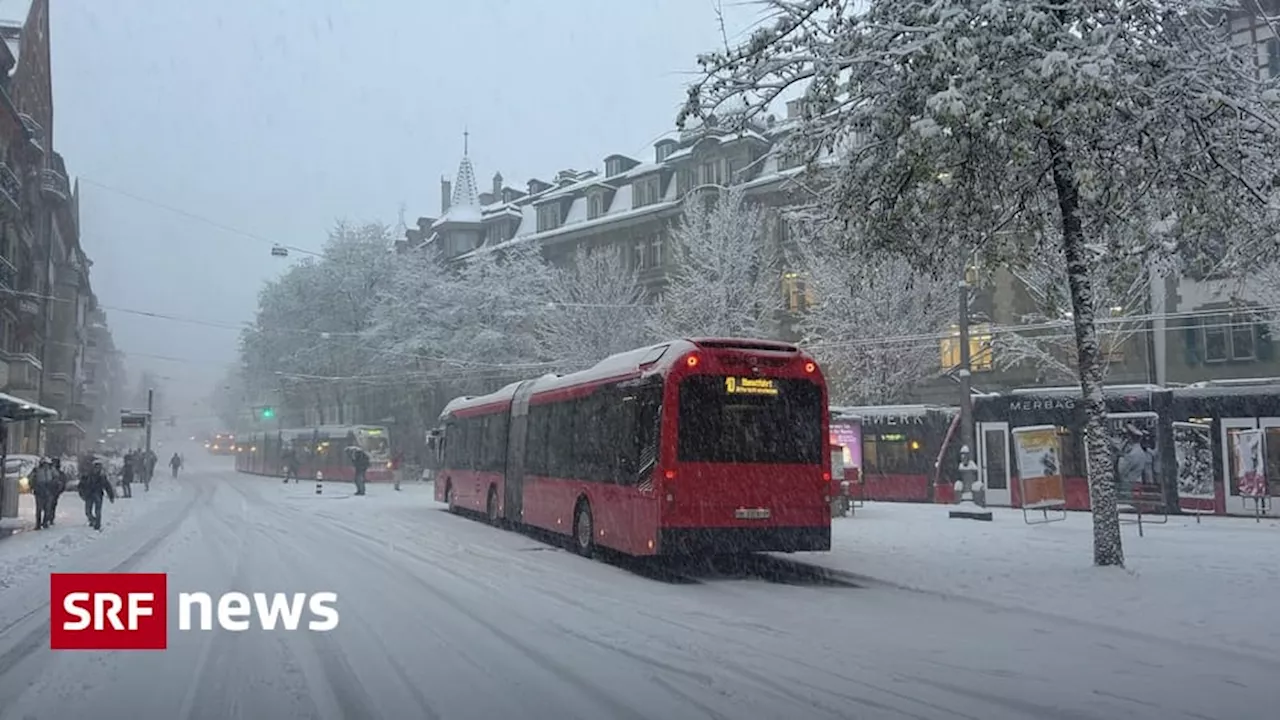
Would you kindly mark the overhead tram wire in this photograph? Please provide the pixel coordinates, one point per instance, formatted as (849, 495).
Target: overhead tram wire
(193, 216)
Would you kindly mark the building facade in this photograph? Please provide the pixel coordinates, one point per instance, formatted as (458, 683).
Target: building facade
(47, 308)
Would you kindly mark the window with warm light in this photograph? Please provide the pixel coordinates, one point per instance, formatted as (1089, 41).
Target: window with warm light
(797, 293)
(981, 356)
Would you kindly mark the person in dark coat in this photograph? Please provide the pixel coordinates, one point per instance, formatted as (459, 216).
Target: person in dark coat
(360, 461)
(63, 481)
(45, 483)
(290, 465)
(175, 463)
(92, 488)
(126, 474)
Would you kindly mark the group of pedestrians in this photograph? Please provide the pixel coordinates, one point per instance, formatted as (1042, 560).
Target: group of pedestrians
(49, 481)
(138, 465)
(358, 458)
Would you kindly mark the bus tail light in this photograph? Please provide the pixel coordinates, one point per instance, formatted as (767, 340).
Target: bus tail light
(691, 361)
(826, 477)
(670, 474)
(810, 366)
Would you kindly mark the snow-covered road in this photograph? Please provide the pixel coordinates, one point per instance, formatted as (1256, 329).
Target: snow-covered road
(444, 617)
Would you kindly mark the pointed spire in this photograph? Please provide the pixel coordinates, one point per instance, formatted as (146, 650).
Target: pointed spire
(465, 191)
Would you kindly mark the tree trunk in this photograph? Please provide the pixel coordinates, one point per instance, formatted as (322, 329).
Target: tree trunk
(1107, 546)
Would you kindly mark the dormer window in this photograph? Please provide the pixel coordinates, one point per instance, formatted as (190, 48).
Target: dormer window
(548, 216)
(646, 191)
(595, 205)
(614, 166)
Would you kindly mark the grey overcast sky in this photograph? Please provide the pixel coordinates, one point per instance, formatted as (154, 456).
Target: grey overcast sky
(277, 117)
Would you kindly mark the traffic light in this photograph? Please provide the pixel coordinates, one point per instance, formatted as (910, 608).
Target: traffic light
(268, 412)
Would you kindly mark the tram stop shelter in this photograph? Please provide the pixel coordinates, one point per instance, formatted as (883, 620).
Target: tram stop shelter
(14, 409)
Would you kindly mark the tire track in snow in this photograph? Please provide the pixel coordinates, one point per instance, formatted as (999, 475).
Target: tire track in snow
(749, 677)
(349, 695)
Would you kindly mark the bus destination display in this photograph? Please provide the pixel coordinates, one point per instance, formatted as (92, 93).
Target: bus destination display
(750, 386)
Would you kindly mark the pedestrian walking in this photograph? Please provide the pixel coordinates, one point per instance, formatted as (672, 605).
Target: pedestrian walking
(126, 474)
(92, 487)
(45, 483)
(359, 461)
(175, 463)
(64, 479)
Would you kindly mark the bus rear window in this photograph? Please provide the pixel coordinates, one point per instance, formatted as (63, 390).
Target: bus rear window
(749, 420)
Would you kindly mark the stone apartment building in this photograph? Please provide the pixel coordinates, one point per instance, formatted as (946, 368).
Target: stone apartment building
(46, 300)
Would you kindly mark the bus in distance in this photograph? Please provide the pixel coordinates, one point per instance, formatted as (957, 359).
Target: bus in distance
(689, 447)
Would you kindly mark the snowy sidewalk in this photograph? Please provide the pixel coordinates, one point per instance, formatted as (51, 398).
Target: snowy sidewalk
(1215, 583)
(28, 551)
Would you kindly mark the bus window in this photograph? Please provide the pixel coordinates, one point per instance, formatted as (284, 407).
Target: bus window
(722, 421)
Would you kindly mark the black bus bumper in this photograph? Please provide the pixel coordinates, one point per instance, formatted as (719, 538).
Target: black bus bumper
(725, 541)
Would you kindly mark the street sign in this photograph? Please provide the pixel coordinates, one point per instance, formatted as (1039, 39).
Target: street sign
(130, 421)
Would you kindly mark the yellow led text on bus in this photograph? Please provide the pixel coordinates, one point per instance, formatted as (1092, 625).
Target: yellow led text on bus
(750, 386)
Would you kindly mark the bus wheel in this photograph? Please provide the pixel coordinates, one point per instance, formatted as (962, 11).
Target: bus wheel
(584, 530)
(491, 506)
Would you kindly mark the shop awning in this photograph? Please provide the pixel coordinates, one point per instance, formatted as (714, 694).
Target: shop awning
(16, 409)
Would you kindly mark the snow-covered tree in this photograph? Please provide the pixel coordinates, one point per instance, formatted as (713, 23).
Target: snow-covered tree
(499, 299)
(596, 308)
(312, 321)
(1117, 131)
(874, 320)
(727, 274)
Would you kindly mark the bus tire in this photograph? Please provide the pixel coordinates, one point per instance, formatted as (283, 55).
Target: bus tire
(491, 507)
(584, 540)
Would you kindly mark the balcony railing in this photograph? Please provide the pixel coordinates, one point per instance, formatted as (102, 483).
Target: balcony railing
(10, 190)
(54, 184)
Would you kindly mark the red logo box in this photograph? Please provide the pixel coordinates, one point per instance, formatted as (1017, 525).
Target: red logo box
(108, 611)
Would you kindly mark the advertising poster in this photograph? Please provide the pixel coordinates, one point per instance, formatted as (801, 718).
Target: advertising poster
(1133, 445)
(1193, 452)
(1039, 451)
(1248, 466)
(849, 435)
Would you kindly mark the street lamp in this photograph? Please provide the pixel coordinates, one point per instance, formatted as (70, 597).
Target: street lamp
(968, 481)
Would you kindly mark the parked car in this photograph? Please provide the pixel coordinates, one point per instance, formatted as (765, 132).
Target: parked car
(21, 466)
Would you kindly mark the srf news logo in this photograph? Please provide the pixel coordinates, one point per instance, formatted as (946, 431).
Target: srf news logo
(130, 611)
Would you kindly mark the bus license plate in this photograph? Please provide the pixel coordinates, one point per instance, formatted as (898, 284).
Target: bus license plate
(751, 513)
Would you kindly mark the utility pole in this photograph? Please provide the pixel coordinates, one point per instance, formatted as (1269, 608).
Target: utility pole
(151, 394)
(967, 482)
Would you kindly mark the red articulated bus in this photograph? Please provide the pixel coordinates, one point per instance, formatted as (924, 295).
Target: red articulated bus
(689, 447)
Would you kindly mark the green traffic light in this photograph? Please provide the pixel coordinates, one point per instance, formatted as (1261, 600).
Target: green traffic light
(268, 413)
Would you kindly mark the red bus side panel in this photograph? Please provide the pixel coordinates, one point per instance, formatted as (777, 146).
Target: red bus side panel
(625, 518)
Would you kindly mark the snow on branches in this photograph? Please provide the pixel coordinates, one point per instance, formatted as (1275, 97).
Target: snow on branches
(1048, 342)
(1122, 133)
(726, 277)
(595, 309)
(875, 321)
